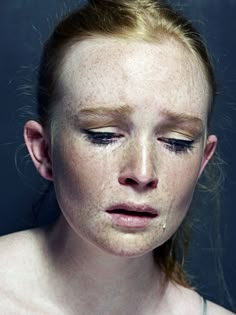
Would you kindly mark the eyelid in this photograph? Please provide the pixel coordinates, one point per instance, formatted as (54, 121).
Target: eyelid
(101, 138)
(98, 131)
(177, 145)
(181, 134)
(104, 122)
(176, 140)
(105, 129)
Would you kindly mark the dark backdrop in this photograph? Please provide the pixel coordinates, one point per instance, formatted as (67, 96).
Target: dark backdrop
(25, 24)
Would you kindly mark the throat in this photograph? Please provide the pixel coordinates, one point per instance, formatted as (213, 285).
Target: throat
(82, 271)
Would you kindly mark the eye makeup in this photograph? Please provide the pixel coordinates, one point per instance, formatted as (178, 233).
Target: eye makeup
(101, 138)
(177, 145)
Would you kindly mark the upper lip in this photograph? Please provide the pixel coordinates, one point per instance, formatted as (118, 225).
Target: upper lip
(144, 208)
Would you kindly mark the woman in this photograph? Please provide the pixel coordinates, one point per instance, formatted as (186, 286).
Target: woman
(125, 96)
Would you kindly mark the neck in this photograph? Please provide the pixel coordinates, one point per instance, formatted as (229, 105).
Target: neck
(97, 282)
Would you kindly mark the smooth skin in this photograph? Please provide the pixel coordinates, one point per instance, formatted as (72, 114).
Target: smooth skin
(131, 126)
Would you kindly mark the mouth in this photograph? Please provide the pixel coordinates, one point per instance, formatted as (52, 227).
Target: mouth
(132, 215)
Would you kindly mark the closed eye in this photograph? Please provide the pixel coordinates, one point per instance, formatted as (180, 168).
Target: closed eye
(106, 138)
(101, 138)
(177, 145)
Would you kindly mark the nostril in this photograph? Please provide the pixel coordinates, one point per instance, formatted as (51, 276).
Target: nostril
(130, 181)
(153, 184)
(134, 182)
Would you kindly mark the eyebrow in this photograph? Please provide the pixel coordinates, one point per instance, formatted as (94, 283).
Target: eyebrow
(118, 112)
(170, 119)
(94, 117)
(175, 119)
(180, 117)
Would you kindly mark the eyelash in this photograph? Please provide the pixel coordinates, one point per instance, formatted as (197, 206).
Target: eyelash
(177, 145)
(106, 138)
(101, 138)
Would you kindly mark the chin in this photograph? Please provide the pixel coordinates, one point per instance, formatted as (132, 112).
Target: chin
(128, 245)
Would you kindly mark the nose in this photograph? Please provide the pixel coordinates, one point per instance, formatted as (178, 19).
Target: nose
(139, 170)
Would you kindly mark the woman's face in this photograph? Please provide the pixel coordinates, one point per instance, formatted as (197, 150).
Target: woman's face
(129, 135)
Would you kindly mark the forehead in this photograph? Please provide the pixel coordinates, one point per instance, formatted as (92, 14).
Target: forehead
(110, 72)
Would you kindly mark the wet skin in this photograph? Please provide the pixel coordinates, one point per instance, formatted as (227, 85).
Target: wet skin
(130, 127)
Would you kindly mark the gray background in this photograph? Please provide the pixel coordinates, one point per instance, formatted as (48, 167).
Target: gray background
(25, 24)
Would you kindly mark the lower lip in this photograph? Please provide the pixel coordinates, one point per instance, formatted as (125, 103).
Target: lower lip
(130, 221)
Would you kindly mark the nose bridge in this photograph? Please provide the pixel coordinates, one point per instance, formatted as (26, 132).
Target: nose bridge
(140, 163)
(143, 158)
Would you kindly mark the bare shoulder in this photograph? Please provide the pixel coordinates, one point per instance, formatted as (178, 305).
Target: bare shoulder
(190, 302)
(214, 309)
(21, 256)
(22, 272)
(16, 238)
(18, 249)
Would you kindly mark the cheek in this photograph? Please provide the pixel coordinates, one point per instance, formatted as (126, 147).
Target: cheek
(178, 179)
(185, 187)
(176, 188)
(80, 174)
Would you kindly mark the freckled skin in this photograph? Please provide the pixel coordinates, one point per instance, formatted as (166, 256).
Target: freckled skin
(148, 77)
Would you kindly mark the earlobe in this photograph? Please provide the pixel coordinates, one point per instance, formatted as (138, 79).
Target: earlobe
(37, 145)
(209, 151)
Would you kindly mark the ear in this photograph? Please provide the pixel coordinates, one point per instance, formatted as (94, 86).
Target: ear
(208, 151)
(37, 145)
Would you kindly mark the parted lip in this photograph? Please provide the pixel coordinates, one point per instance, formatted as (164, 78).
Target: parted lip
(131, 207)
